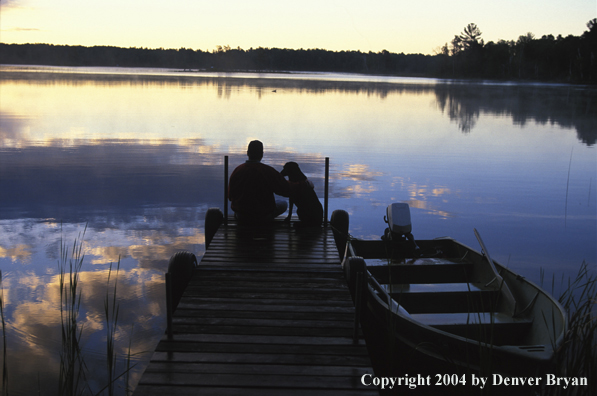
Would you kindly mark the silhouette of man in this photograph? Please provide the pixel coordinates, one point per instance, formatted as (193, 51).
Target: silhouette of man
(252, 187)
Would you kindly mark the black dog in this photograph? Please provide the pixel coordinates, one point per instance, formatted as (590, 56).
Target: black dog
(302, 194)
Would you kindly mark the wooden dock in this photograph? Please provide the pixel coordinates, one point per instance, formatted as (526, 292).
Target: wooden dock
(267, 312)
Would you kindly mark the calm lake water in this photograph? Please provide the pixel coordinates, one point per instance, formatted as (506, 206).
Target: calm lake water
(134, 158)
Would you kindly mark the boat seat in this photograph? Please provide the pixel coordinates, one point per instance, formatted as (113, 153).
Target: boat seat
(443, 297)
(442, 272)
(500, 329)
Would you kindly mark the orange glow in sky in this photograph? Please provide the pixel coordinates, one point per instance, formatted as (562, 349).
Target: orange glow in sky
(375, 25)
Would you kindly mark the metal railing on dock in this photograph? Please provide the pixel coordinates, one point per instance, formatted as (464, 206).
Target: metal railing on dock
(325, 193)
(266, 312)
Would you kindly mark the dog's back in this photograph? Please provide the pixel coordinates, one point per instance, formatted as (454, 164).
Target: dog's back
(308, 207)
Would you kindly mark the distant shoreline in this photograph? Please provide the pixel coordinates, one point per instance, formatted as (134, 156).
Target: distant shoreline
(485, 65)
(177, 72)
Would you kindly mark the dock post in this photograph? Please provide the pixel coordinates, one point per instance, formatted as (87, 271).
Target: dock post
(225, 189)
(357, 307)
(356, 277)
(169, 305)
(326, 191)
(213, 219)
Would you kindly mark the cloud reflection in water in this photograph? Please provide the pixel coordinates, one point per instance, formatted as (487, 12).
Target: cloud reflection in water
(139, 160)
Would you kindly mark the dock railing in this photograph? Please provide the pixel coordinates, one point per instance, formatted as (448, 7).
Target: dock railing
(170, 305)
(325, 192)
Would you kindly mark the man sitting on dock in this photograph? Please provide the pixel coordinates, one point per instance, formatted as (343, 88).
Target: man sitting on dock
(252, 187)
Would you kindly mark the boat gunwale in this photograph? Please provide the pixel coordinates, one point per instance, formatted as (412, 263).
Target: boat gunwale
(549, 348)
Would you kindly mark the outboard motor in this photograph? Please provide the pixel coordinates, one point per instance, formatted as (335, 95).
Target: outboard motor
(399, 226)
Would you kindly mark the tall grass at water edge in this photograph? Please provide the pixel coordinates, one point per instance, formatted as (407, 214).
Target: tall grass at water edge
(73, 371)
(74, 376)
(111, 310)
(71, 378)
(578, 355)
(4, 365)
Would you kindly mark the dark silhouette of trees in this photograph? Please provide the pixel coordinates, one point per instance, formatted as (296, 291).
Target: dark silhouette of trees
(223, 58)
(568, 59)
(471, 37)
(472, 50)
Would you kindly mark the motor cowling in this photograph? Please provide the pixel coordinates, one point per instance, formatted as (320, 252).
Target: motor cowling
(400, 226)
(398, 218)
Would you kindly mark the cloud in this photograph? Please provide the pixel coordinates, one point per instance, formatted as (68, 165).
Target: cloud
(10, 3)
(20, 252)
(359, 172)
(21, 29)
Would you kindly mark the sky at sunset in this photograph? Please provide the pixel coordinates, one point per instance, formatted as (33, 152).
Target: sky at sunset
(373, 25)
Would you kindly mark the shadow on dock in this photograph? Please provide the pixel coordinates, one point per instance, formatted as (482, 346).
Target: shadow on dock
(266, 312)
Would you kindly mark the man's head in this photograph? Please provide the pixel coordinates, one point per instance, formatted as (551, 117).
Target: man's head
(255, 150)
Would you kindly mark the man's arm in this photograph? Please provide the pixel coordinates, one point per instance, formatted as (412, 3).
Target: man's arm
(279, 184)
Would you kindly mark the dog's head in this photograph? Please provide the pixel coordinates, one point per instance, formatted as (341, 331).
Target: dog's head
(292, 170)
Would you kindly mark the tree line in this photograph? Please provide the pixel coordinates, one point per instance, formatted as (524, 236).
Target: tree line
(549, 58)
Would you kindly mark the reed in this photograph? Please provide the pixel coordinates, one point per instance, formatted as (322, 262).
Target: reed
(578, 355)
(567, 187)
(71, 379)
(127, 388)
(589, 198)
(4, 353)
(73, 371)
(111, 310)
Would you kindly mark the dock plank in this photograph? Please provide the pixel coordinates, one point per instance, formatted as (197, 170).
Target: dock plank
(266, 312)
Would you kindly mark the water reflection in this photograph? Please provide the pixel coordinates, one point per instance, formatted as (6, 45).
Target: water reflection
(31, 295)
(129, 181)
(567, 106)
(34, 327)
(571, 107)
(138, 160)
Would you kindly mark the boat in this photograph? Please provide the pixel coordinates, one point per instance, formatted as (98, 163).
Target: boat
(449, 302)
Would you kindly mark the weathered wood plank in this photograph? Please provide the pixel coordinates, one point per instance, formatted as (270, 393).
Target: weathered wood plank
(263, 265)
(160, 390)
(277, 282)
(266, 312)
(268, 369)
(300, 261)
(265, 274)
(264, 294)
(262, 330)
(201, 347)
(262, 291)
(262, 339)
(247, 380)
(189, 300)
(194, 314)
(262, 358)
(252, 322)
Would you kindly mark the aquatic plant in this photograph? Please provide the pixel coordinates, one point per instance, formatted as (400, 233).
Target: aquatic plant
(577, 358)
(4, 365)
(72, 366)
(111, 311)
(73, 378)
(127, 372)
